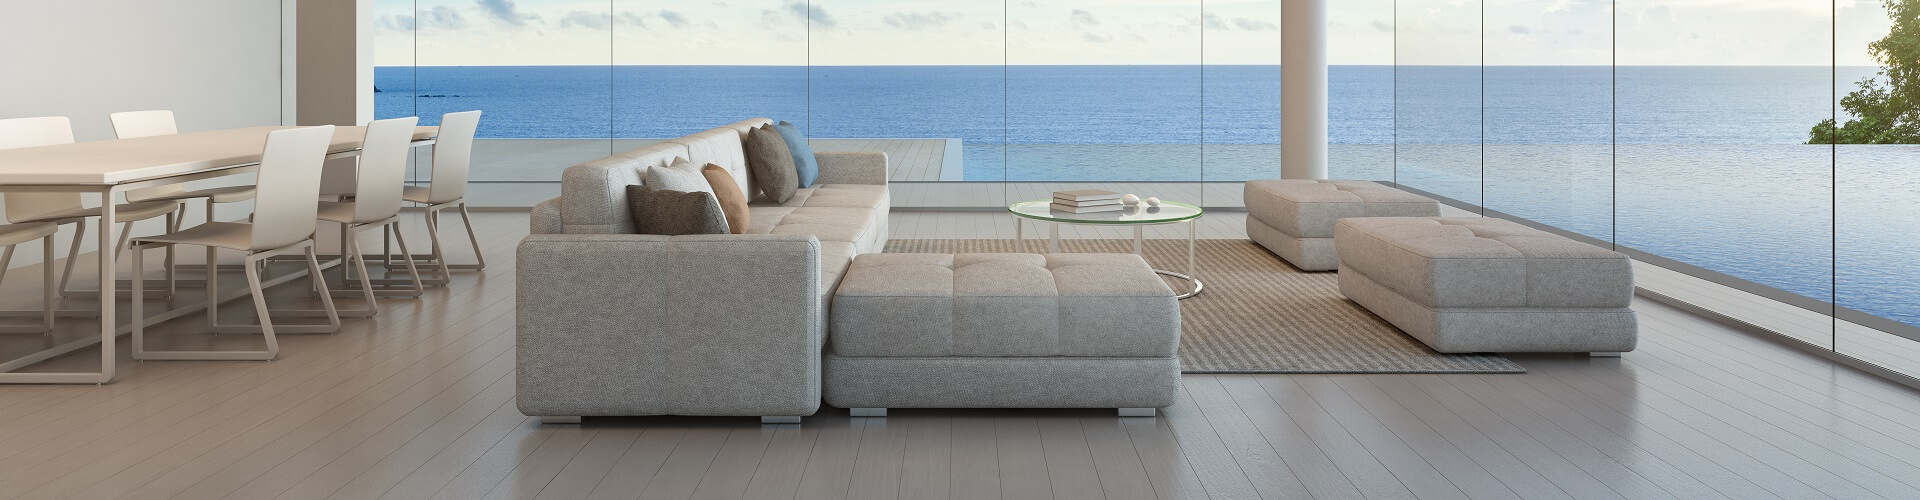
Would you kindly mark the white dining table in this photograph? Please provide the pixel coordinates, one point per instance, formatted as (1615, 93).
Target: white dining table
(112, 167)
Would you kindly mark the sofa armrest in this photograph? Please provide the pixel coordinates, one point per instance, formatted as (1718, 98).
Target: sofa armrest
(852, 168)
(545, 218)
(677, 325)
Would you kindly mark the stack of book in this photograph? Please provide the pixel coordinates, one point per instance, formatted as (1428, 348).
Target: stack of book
(1086, 201)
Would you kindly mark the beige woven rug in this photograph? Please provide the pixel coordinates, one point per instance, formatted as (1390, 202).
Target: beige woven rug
(1260, 315)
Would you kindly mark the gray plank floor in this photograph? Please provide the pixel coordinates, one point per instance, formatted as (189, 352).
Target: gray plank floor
(418, 403)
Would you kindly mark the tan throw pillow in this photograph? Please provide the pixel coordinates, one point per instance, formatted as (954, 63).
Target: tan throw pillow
(727, 192)
(771, 163)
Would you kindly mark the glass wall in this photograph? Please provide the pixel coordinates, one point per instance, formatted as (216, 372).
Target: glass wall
(1548, 86)
(1437, 96)
(1876, 212)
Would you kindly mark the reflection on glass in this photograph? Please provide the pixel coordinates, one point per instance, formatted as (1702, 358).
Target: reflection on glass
(1241, 73)
(1360, 89)
(1549, 115)
(1877, 263)
(1437, 98)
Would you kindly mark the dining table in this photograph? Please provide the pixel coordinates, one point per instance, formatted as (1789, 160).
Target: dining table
(112, 167)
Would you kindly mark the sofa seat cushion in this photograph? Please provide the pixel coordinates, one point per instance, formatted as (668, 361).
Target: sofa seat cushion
(1080, 305)
(1308, 208)
(1473, 262)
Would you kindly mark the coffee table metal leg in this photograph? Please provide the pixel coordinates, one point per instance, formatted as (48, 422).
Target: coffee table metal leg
(1019, 234)
(1053, 239)
(1139, 237)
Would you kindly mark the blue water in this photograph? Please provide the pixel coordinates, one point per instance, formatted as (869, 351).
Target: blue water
(1701, 164)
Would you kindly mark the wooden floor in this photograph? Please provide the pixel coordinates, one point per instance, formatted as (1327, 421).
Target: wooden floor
(418, 403)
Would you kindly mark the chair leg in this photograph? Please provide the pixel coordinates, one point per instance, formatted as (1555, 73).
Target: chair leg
(439, 253)
(418, 287)
(46, 282)
(479, 259)
(352, 252)
(79, 232)
(46, 288)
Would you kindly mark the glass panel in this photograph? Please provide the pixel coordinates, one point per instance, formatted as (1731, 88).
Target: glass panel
(1713, 169)
(537, 69)
(1360, 89)
(686, 67)
(1877, 265)
(1549, 114)
(1098, 91)
(927, 86)
(1437, 98)
(1241, 70)
(393, 31)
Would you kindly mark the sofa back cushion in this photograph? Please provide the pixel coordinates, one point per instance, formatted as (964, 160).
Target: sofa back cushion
(593, 194)
(723, 146)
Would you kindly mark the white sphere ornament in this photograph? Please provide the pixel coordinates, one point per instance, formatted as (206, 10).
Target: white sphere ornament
(1129, 199)
(1153, 201)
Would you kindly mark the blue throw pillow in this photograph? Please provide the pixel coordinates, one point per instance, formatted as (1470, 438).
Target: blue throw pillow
(803, 161)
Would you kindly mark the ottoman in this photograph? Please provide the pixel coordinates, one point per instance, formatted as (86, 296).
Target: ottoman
(1002, 331)
(1470, 284)
(1294, 218)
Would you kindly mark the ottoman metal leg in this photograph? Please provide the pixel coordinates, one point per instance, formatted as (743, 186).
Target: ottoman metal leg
(559, 420)
(779, 420)
(867, 412)
(1138, 412)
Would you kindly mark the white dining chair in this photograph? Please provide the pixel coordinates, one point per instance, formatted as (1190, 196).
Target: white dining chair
(284, 218)
(12, 235)
(131, 124)
(68, 208)
(376, 205)
(447, 187)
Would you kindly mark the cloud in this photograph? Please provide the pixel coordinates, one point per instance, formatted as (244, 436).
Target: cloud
(1382, 26)
(1082, 19)
(441, 17)
(630, 18)
(675, 19)
(1520, 30)
(1096, 38)
(1254, 24)
(988, 25)
(506, 12)
(1558, 6)
(915, 21)
(814, 14)
(584, 19)
(1214, 22)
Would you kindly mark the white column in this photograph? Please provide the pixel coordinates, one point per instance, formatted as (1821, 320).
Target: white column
(1303, 89)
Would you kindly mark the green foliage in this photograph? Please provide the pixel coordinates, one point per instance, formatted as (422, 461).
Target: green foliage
(1886, 107)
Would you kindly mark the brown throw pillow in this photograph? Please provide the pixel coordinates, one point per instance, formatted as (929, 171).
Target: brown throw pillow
(673, 213)
(733, 203)
(771, 163)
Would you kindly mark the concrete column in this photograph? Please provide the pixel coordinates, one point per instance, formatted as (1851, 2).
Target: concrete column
(1303, 89)
(334, 57)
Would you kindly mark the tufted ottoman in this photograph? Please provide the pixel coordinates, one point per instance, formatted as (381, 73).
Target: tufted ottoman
(1470, 284)
(1294, 218)
(1002, 331)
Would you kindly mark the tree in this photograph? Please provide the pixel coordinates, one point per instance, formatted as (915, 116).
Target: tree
(1886, 107)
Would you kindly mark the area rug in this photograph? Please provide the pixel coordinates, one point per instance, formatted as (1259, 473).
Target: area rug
(1260, 315)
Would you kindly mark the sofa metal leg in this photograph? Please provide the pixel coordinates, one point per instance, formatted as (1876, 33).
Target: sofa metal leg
(559, 420)
(1138, 412)
(1604, 354)
(867, 412)
(779, 420)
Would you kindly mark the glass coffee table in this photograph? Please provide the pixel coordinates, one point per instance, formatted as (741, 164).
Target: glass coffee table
(1141, 216)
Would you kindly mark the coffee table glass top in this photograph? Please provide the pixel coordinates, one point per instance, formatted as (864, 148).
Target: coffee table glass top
(1168, 211)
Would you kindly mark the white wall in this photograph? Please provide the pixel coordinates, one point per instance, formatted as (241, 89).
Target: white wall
(215, 63)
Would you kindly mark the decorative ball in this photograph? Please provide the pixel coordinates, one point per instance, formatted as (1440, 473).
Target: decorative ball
(1153, 201)
(1129, 199)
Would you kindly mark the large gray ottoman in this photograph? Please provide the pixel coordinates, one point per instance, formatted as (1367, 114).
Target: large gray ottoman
(1294, 218)
(1470, 284)
(1002, 331)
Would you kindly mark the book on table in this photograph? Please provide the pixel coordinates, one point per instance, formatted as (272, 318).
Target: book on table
(1083, 209)
(1091, 203)
(1086, 195)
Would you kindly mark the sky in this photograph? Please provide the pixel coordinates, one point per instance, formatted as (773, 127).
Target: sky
(910, 32)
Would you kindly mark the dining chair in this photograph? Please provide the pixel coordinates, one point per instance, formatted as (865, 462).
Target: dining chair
(447, 188)
(131, 124)
(284, 218)
(376, 205)
(69, 208)
(12, 235)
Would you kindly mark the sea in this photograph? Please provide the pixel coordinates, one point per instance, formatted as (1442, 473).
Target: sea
(1705, 165)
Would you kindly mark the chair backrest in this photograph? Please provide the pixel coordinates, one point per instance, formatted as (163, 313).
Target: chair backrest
(32, 132)
(383, 169)
(132, 124)
(288, 188)
(452, 156)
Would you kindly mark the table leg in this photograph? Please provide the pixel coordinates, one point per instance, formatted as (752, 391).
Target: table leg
(1139, 237)
(1192, 268)
(1053, 239)
(109, 253)
(1019, 235)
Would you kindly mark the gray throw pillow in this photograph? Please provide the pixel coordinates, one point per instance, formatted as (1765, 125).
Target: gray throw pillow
(673, 213)
(771, 163)
(682, 176)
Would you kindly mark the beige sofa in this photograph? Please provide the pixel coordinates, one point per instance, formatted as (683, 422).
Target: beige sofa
(612, 323)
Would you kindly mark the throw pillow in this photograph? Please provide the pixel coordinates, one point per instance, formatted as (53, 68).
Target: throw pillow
(733, 203)
(771, 163)
(673, 213)
(681, 175)
(804, 164)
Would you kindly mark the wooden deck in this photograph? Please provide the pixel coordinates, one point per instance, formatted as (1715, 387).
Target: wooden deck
(418, 403)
